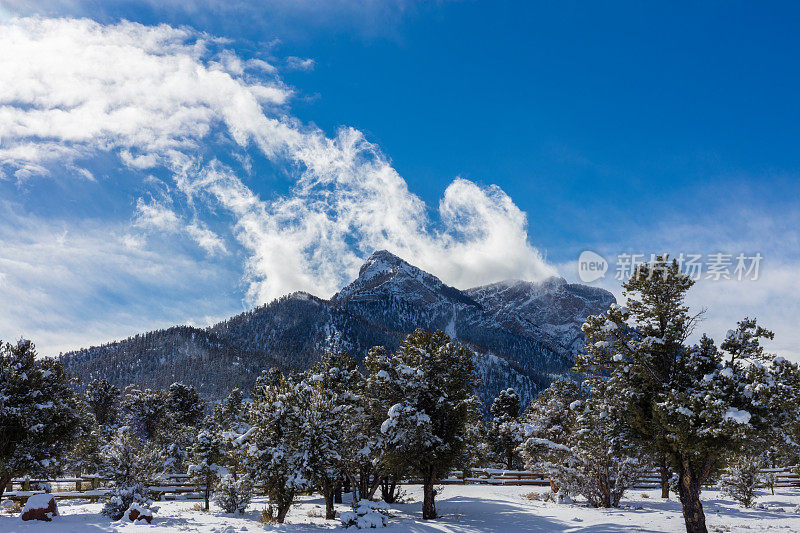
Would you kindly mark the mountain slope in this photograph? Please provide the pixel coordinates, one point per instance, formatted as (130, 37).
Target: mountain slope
(552, 310)
(391, 293)
(159, 358)
(522, 333)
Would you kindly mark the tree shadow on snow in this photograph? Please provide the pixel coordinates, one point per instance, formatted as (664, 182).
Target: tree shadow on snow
(462, 514)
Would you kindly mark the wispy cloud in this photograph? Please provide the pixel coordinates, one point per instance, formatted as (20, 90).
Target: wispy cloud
(177, 101)
(299, 63)
(71, 283)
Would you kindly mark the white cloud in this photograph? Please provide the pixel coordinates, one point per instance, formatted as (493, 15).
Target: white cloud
(156, 95)
(300, 63)
(156, 216)
(67, 284)
(206, 239)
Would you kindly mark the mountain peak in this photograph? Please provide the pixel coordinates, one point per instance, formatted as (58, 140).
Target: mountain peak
(380, 262)
(385, 274)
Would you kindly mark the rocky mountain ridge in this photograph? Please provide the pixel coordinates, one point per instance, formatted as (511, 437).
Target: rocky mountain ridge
(523, 333)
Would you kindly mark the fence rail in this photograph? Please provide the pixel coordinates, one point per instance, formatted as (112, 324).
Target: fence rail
(179, 486)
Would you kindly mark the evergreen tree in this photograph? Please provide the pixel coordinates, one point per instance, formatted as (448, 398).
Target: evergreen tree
(205, 468)
(550, 419)
(689, 403)
(131, 464)
(741, 478)
(272, 450)
(320, 439)
(39, 412)
(234, 494)
(86, 455)
(184, 406)
(331, 427)
(145, 411)
(103, 399)
(504, 431)
(429, 384)
(231, 413)
(231, 419)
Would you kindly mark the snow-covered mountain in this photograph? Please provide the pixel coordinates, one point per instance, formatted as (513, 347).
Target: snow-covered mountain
(522, 333)
(552, 310)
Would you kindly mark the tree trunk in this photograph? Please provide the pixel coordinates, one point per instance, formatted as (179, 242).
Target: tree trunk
(337, 493)
(510, 461)
(389, 490)
(376, 482)
(429, 495)
(283, 509)
(327, 493)
(603, 484)
(689, 491)
(206, 492)
(353, 487)
(663, 469)
(364, 484)
(4, 484)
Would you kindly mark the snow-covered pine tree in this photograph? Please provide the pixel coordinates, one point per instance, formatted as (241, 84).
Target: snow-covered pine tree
(333, 429)
(145, 411)
(320, 439)
(604, 461)
(686, 402)
(231, 419)
(184, 406)
(233, 494)
(86, 454)
(549, 419)
(741, 477)
(127, 459)
(103, 399)
(231, 413)
(504, 430)
(477, 451)
(429, 384)
(39, 413)
(205, 466)
(273, 456)
(131, 464)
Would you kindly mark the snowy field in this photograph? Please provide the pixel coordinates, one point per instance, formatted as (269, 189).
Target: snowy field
(463, 509)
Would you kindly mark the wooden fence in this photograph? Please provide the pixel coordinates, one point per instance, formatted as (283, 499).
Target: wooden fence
(179, 486)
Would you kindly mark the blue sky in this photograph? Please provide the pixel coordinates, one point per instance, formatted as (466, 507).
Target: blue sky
(614, 127)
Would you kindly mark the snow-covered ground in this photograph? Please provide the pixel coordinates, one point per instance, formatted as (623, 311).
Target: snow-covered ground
(463, 509)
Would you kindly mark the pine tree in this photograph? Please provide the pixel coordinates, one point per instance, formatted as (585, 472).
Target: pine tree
(145, 411)
(205, 468)
(428, 384)
(231, 413)
(39, 412)
(550, 419)
(131, 464)
(85, 457)
(741, 478)
(184, 406)
(689, 403)
(331, 427)
(128, 460)
(103, 399)
(231, 419)
(504, 431)
(273, 455)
